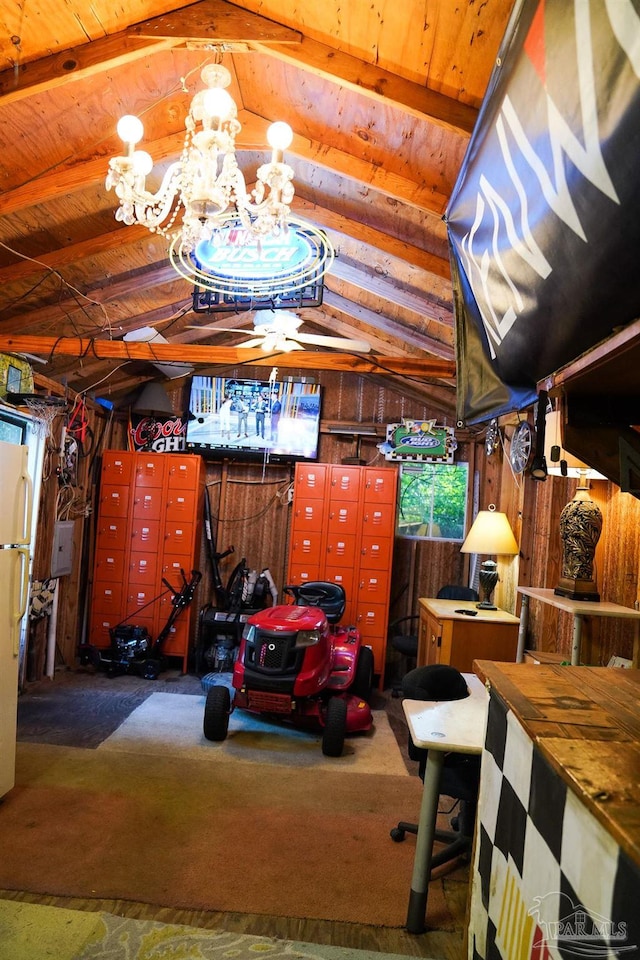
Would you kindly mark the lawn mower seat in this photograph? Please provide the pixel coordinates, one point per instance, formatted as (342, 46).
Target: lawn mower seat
(460, 773)
(330, 597)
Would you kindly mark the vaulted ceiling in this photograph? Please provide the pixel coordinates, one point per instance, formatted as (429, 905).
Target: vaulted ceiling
(382, 98)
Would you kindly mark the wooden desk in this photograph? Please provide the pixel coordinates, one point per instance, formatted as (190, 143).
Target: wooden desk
(558, 830)
(445, 636)
(450, 726)
(580, 610)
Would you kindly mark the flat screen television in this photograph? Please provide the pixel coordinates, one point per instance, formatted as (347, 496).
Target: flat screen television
(248, 419)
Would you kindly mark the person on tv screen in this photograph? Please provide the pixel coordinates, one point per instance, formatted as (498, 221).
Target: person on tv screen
(276, 408)
(225, 418)
(243, 417)
(261, 409)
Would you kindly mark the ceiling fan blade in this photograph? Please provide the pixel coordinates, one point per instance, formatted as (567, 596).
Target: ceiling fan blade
(255, 342)
(340, 343)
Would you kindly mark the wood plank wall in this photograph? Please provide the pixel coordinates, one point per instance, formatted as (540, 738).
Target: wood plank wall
(251, 508)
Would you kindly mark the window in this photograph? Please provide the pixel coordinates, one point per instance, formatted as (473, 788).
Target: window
(432, 503)
(13, 429)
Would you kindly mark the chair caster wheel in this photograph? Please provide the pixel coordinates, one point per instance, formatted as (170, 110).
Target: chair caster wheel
(397, 835)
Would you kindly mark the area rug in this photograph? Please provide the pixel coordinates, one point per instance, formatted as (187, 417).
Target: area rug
(167, 725)
(32, 932)
(188, 833)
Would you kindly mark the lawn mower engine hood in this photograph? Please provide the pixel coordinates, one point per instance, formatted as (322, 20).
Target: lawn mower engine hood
(289, 649)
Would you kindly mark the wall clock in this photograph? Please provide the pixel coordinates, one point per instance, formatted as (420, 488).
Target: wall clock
(521, 446)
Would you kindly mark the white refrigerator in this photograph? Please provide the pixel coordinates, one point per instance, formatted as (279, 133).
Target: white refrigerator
(16, 501)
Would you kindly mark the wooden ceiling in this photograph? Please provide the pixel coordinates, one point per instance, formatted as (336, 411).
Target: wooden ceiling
(382, 98)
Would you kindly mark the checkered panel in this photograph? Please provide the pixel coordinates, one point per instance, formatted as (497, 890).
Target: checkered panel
(548, 881)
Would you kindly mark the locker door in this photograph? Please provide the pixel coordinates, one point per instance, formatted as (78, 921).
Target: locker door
(114, 501)
(148, 503)
(344, 484)
(341, 550)
(373, 587)
(101, 625)
(117, 467)
(380, 485)
(108, 598)
(172, 567)
(181, 505)
(306, 548)
(343, 517)
(310, 480)
(143, 569)
(178, 538)
(371, 621)
(345, 577)
(302, 573)
(380, 517)
(307, 515)
(110, 565)
(145, 536)
(183, 472)
(112, 533)
(375, 553)
(150, 469)
(142, 604)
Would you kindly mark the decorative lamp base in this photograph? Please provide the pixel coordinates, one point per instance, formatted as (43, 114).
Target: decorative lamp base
(580, 528)
(488, 578)
(577, 589)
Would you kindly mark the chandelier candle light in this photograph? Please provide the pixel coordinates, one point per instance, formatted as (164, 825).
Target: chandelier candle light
(206, 182)
(490, 533)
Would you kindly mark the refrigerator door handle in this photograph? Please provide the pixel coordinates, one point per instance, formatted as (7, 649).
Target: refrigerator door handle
(23, 598)
(27, 507)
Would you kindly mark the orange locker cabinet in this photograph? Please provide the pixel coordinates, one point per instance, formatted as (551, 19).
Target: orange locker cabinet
(149, 527)
(342, 530)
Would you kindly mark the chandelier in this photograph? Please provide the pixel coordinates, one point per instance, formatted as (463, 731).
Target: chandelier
(206, 183)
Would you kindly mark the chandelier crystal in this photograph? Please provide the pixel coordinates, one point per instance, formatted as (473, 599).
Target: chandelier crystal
(206, 183)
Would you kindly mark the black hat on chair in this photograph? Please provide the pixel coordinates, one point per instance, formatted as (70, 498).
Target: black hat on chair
(436, 681)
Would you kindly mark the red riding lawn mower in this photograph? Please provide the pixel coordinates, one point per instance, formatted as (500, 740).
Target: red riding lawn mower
(296, 663)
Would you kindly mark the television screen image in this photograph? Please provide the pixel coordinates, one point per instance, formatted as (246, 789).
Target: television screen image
(229, 416)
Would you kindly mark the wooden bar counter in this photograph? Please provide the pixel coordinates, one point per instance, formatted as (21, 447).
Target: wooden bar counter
(557, 857)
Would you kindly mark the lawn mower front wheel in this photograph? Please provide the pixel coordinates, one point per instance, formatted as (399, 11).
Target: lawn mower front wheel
(335, 727)
(217, 708)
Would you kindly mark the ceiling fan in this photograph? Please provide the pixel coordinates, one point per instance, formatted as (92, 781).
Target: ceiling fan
(277, 331)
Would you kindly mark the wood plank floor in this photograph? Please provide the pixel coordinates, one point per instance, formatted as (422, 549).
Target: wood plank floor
(81, 707)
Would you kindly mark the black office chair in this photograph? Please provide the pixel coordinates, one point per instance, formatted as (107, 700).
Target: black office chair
(460, 772)
(406, 642)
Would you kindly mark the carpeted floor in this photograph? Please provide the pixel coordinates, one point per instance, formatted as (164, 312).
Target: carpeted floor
(262, 824)
(168, 726)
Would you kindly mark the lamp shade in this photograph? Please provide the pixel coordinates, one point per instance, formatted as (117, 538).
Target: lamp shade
(490, 533)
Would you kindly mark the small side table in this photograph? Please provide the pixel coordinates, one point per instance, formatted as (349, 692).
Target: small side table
(444, 726)
(579, 609)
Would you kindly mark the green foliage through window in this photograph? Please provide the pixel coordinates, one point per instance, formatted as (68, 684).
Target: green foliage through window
(432, 504)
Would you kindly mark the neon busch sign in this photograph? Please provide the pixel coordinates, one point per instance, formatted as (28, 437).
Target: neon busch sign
(282, 270)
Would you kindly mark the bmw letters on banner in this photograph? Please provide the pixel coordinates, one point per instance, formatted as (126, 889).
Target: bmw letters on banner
(544, 221)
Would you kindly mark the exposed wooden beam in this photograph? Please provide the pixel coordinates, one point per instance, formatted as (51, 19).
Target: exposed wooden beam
(210, 20)
(81, 347)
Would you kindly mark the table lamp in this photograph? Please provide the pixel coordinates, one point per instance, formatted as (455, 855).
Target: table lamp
(490, 533)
